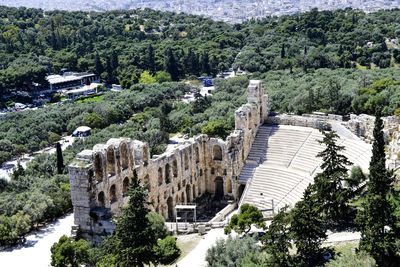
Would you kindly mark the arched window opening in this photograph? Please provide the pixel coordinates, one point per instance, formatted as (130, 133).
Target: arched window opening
(186, 161)
(170, 205)
(145, 157)
(113, 194)
(188, 193)
(219, 188)
(176, 200)
(249, 120)
(196, 154)
(228, 186)
(111, 162)
(98, 167)
(160, 178)
(100, 199)
(125, 185)
(175, 168)
(183, 200)
(124, 156)
(146, 182)
(167, 171)
(217, 152)
(194, 192)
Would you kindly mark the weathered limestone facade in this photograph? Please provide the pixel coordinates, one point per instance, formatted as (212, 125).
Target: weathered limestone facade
(100, 177)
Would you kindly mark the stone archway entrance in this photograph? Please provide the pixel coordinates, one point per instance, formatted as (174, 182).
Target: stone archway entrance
(170, 205)
(241, 189)
(219, 188)
(188, 194)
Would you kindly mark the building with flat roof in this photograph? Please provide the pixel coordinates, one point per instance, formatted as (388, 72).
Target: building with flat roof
(71, 80)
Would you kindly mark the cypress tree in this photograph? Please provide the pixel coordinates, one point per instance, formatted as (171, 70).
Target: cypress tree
(328, 184)
(283, 54)
(376, 218)
(171, 65)
(60, 160)
(133, 240)
(308, 228)
(98, 65)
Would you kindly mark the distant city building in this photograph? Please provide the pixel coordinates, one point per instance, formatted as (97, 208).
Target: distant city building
(70, 80)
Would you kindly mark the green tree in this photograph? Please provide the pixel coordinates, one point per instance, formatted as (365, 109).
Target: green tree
(133, 240)
(67, 252)
(277, 239)
(308, 228)
(94, 120)
(60, 160)
(147, 78)
(163, 76)
(216, 129)
(166, 250)
(376, 218)
(231, 252)
(157, 225)
(328, 184)
(171, 65)
(242, 222)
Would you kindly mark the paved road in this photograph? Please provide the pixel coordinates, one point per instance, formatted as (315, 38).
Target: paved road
(8, 167)
(36, 251)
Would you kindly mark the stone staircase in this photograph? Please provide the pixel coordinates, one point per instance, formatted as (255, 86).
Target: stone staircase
(256, 154)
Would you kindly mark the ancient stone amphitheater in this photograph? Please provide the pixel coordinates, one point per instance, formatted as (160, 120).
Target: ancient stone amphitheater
(268, 166)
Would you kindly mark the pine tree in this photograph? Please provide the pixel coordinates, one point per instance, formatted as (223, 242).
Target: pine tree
(328, 184)
(60, 160)
(308, 228)
(205, 63)
(150, 60)
(133, 240)
(376, 219)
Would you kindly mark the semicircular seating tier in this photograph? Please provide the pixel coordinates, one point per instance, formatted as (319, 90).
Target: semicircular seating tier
(288, 163)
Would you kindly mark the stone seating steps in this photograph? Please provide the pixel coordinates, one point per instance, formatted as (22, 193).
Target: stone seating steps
(289, 165)
(256, 154)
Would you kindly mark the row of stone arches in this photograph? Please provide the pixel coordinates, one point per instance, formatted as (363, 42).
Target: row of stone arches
(112, 193)
(111, 162)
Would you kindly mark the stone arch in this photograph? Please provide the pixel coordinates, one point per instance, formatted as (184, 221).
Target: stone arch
(175, 168)
(194, 191)
(124, 156)
(98, 167)
(176, 199)
(217, 152)
(241, 190)
(125, 185)
(228, 186)
(219, 187)
(183, 200)
(249, 120)
(170, 208)
(146, 182)
(188, 194)
(100, 199)
(199, 188)
(113, 193)
(111, 161)
(196, 154)
(186, 161)
(160, 176)
(167, 171)
(145, 157)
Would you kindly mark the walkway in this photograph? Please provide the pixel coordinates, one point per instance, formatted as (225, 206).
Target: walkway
(36, 251)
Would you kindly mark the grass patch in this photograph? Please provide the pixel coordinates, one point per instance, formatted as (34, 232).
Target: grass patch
(94, 98)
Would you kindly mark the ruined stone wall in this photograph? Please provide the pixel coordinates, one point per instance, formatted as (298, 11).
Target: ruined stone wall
(363, 126)
(303, 121)
(100, 177)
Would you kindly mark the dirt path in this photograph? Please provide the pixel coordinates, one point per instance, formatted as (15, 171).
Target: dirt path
(36, 251)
